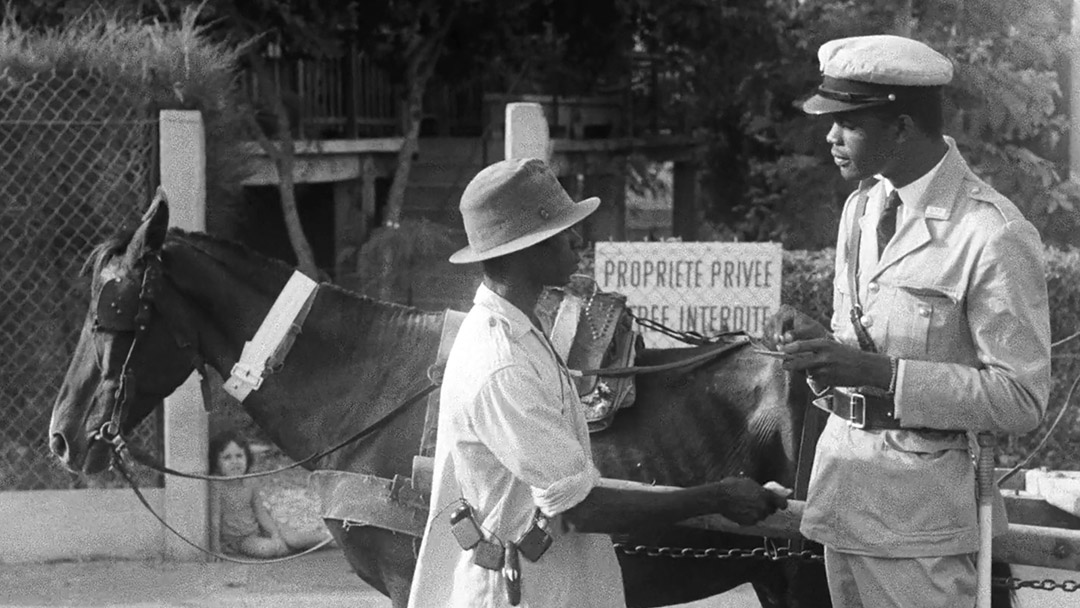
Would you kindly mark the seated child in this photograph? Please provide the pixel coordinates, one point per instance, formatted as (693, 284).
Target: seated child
(239, 520)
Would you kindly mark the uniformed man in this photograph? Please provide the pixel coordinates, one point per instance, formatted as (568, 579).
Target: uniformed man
(940, 328)
(517, 511)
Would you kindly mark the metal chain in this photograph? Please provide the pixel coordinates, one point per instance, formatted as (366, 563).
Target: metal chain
(760, 553)
(776, 554)
(1046, 584)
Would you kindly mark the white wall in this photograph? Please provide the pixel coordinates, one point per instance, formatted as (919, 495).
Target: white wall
(42, 525)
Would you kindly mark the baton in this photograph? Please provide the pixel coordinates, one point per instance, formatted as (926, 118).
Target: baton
(987, 488)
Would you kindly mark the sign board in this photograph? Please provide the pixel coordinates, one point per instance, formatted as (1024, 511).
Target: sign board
(706, 288)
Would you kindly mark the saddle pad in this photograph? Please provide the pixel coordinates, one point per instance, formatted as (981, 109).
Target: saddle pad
(598, 317)
(366, 500)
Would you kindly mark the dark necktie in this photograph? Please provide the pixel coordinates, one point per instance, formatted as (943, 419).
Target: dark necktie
(886, 227)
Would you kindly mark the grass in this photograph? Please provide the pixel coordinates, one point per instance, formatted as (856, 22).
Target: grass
(163, 66)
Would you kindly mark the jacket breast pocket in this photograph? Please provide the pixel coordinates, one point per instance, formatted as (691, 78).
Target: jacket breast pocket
(930, 321)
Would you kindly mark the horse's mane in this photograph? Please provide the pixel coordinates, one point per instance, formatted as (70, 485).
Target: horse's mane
(102, 252)
(219, 247)
(223, 249)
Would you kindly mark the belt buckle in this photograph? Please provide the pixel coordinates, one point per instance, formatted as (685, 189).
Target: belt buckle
(857, 413)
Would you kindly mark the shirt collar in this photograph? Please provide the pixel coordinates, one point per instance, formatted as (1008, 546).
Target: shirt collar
(912, 193)
(499, 306)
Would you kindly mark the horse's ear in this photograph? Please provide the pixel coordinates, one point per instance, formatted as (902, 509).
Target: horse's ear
(150, 235)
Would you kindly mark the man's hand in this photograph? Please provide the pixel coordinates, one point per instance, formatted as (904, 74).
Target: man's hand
(834, 364)
(790, 325)
(744, 501)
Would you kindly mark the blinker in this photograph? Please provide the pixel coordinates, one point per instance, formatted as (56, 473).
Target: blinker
(117, 306)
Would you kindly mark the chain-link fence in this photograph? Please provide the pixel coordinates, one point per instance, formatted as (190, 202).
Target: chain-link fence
(77, 164)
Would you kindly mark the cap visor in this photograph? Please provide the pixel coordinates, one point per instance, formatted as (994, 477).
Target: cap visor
(556, 225)
(823, 105)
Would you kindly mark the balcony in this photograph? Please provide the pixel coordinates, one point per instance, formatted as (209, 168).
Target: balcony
(352, 98)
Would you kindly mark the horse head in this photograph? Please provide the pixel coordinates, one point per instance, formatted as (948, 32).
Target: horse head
(127, 359)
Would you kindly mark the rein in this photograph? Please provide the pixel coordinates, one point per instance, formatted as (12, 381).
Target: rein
(118, 464)
(120, 446)
(661, 367)
(145, 459)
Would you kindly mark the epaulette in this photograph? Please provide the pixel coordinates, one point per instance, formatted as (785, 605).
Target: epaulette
(979, 190)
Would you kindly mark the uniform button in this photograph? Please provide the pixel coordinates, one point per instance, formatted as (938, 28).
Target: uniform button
(924, 311)
(491, 322)
(873, 287)
(975, 190)
(867, 320)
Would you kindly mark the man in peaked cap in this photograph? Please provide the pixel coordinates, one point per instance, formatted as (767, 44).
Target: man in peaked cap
(940, 329)
(513, 447)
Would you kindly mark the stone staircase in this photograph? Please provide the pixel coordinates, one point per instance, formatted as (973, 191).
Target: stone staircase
(440, 172)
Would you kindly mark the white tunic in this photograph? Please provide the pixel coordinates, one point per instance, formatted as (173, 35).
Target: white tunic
(512, 437)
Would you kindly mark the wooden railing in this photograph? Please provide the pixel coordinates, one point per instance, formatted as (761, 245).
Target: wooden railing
(346, 97)
(351, 97)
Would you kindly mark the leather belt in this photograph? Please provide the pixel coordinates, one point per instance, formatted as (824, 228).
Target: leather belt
(860, 410)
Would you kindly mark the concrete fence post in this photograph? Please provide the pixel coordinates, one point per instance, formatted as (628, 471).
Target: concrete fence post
(183, 176)
(527, 133)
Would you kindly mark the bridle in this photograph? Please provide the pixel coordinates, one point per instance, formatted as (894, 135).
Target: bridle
(121, 308)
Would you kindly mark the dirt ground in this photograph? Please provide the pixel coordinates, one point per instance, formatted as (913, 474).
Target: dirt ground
(319, 580)
(322, 579)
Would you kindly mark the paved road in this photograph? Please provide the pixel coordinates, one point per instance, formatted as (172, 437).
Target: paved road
(321, 580)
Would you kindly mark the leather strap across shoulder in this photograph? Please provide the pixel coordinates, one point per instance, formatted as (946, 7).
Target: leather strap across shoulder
(854, 246)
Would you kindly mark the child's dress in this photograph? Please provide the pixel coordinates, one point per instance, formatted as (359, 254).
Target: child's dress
(237, 514)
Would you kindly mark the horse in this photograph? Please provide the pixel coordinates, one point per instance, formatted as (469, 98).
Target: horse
(192, 300)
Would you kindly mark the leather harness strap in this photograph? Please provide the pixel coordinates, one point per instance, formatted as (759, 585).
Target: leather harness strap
(853, 247)
(451, 324)
(275, 336)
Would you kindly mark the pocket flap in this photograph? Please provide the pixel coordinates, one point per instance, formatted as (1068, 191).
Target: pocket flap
(932, 291)
(926, 442)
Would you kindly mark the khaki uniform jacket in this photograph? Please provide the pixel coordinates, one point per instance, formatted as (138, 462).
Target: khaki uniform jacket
(960, 297)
